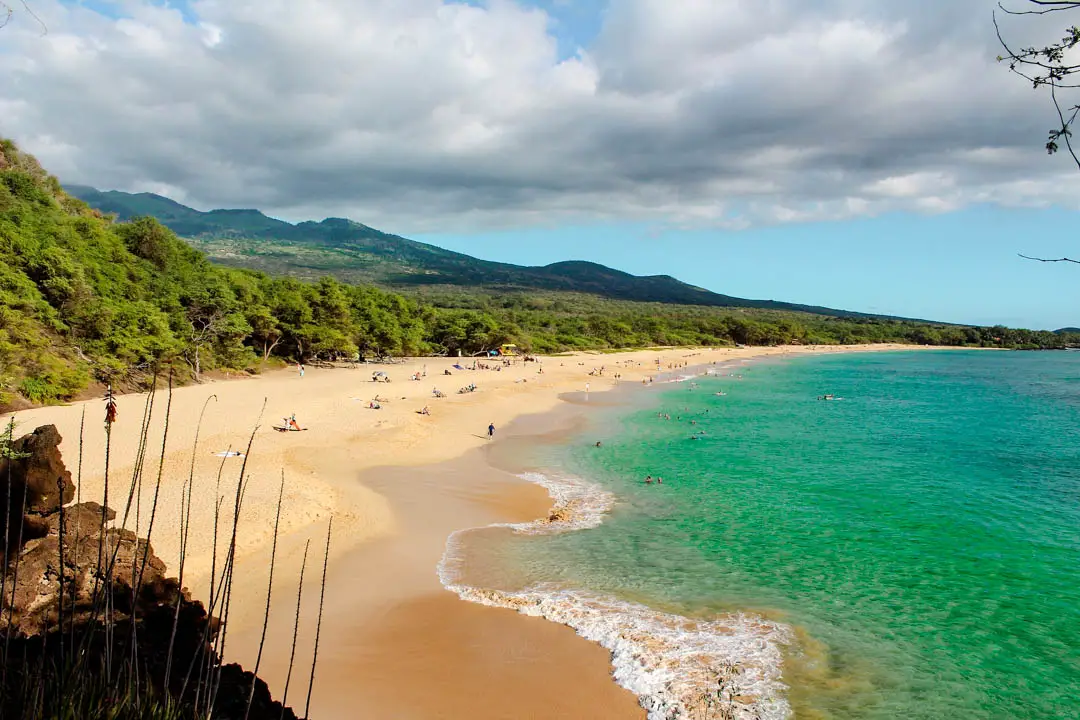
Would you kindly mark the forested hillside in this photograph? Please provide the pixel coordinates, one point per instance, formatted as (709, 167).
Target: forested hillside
(353, 252)
(84, 299)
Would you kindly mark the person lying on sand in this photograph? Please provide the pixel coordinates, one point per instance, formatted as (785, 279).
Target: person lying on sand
(425, 411)
(288, 424)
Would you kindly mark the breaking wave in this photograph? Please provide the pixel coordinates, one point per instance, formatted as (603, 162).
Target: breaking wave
(677, 666)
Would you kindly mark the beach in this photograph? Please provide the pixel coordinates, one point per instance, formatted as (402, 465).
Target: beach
(394, 642)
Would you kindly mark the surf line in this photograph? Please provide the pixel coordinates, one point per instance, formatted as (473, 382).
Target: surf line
(670, 662)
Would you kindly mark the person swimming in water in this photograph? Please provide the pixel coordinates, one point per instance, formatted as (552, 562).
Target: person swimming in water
(648, 479)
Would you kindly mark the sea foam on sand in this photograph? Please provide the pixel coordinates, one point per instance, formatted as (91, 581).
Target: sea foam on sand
(677, 666)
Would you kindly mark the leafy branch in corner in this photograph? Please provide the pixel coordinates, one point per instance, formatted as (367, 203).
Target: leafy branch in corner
(8, 12)
(1048, 66)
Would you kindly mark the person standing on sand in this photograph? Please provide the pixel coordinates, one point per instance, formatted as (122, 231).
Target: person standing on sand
(491, 431)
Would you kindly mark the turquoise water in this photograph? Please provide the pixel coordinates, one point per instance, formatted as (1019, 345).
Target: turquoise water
(922, 533)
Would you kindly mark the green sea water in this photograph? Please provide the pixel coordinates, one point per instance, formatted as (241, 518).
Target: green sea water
(921, 534)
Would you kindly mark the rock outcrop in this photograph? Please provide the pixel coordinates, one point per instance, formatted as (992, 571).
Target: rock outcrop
(76, 554)
(33, 483)
(65, 564)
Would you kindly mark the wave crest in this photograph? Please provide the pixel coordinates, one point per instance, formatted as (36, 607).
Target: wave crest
(677, 666)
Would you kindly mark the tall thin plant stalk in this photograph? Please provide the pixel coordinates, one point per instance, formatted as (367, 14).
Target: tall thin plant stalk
(107, 584)
(15, 571)
(78, 501)
(8, 452)
(269, 591)
(185, 526)
(138, 568)
(296, 629)
(60, 568)
(318, 624)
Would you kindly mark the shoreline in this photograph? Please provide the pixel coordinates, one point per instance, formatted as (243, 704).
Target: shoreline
(321, 480)
(669, 661)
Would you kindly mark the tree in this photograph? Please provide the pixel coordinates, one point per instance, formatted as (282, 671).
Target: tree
(1049, 66)
(204, 329)
(264, 329)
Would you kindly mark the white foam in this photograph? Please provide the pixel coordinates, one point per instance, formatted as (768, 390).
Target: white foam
(670, 662)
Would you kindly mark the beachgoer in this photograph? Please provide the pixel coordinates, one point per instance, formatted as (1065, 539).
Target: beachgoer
(659, 480)
(648, 479)
(491, 431)
(597, 443)
(300, 367)
(292, 422)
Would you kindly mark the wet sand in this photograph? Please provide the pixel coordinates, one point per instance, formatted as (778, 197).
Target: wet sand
(403, 647)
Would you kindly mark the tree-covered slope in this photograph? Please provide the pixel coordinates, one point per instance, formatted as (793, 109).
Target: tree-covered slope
(84, 298)
(355, 252)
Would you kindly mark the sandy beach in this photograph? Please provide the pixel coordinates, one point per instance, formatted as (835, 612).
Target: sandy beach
(394, 643)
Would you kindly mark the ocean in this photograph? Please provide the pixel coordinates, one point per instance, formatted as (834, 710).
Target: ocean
(909, 549)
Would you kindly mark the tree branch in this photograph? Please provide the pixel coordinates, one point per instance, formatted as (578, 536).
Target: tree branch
(1051, 260)
(1049, 6)
(1047, 66)
(7, 11)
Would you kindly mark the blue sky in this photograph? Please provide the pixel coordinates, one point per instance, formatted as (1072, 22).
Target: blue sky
(868, 156)
(957, 267)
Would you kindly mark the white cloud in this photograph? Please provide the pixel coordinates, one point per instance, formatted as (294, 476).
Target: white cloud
(418, 115)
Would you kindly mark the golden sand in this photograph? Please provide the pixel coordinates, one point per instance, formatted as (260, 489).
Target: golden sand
(393, 641)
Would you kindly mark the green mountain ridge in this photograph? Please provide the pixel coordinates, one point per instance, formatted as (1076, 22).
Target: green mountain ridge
(354, 252)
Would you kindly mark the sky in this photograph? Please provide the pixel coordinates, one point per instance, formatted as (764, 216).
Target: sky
(870, 155)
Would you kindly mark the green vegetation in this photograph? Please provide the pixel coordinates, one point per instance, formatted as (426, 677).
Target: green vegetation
(356, 253)
(84, 298)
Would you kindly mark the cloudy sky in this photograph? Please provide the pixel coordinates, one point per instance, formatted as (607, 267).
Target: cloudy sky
(869, 154)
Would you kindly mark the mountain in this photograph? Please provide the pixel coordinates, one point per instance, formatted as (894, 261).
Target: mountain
(354, 252)
(1068, 331)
